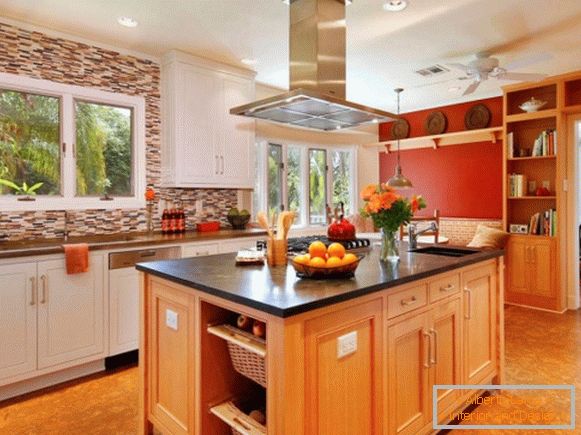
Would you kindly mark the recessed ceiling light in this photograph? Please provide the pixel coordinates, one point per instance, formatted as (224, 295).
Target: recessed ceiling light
(249, 61)
(127, 21)
(395, 5)
(375, 120)
(454, 88)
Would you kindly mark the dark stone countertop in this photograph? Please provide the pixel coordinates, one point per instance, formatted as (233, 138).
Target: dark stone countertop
(26, 248)
(278, 291)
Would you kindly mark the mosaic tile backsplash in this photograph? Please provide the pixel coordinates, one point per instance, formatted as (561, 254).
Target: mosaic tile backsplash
(37, 55)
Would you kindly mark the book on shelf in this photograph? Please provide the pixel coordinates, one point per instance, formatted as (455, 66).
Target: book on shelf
(510, 144)
(544, 223)
(545, 144)
(517, 185)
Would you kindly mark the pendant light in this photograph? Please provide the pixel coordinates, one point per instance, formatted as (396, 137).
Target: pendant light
(399, 181)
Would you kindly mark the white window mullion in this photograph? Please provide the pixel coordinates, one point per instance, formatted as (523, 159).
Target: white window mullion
(329, 178)
(284, 176)
(68, 139)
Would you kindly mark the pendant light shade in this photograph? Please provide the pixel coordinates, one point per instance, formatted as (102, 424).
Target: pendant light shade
(399, 181)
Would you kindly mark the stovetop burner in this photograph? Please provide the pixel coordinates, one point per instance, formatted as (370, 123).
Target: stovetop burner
(301, 244)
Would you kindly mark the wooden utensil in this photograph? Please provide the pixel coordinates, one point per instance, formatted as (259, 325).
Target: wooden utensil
(280, 225)
(263, 222)
(289, 218)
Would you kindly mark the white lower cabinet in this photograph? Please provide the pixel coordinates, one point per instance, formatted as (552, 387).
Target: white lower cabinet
(237, 245)
(200, 250)
(17, 319)
(123, 310)
(49, 318)
(70, 312)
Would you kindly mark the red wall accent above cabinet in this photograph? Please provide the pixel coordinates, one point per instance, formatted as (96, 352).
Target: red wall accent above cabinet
(460, 180)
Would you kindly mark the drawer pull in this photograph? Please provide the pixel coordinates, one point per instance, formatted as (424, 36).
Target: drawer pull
(32, 290)
(448, 288)
(44, 280)
(434, 359)
(468, 314)
(409, 301)
(428, 359)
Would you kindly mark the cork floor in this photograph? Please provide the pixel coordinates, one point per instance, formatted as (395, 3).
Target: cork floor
(541, 348)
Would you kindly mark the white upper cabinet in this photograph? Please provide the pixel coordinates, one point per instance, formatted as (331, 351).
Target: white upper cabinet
(202, 144)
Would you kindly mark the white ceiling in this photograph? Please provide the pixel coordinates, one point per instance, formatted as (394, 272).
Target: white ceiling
(383, 49)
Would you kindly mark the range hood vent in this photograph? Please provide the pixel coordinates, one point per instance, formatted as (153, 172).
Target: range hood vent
(317, 74)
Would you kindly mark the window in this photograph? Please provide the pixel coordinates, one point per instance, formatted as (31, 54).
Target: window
(297, 177)
(69, 147)
(29, 142)
(317, 187)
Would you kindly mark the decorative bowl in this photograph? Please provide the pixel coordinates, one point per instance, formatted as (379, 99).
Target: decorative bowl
(239, 222)
(532, 105)
(315, 272)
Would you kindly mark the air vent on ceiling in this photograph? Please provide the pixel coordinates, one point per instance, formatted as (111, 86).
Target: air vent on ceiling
(432, 71)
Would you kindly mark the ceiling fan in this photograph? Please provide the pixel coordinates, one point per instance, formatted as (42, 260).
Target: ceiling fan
(485, 66)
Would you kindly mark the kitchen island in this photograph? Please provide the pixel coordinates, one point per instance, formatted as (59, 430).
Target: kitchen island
(352, 356)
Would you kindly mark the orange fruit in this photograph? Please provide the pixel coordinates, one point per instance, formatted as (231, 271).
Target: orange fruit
(336, 250)
(349, 258)
(317, 249)
(302, 259)
(334, 262)
(317, 262)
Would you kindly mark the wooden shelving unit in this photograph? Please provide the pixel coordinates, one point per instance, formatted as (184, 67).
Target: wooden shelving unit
(492, 134)
(533, 273)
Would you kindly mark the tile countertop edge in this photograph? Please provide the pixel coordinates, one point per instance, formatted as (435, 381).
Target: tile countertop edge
(310, 306)
(109, 243)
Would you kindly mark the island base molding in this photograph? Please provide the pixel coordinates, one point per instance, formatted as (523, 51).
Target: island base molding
(363, 366)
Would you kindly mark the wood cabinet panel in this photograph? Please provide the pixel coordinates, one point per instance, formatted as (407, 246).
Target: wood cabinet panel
(408, 375)
(171, 358)
(444, 287)
(344, 394)
(517, 265)
(479, 324)
(407, 300)
(18, 302)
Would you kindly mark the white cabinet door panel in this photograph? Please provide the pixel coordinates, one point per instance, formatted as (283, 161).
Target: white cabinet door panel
(200, 250)
(17, 319)
(70, 312)
(237, 245)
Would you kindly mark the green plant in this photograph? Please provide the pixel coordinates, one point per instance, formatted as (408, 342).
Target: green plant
(25, 189)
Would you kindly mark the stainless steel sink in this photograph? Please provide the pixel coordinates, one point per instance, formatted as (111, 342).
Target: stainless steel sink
(446, 252)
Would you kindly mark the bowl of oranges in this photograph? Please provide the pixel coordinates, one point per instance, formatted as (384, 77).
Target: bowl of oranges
(326, 262)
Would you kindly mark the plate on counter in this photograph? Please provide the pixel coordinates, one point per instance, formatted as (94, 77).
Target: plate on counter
(323, 272)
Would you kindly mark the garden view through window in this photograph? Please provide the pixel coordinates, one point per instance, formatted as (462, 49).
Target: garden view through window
(30, 160)
(33, 157)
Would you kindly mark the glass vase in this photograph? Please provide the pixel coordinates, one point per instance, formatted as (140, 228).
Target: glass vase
(389, 246)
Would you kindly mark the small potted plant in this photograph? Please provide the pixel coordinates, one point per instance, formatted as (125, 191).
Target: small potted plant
(24, 189)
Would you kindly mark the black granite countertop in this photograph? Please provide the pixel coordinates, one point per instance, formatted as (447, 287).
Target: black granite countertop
(278, 291)
(26, 248)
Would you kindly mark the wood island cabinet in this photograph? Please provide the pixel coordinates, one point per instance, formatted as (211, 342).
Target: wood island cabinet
(359, 367)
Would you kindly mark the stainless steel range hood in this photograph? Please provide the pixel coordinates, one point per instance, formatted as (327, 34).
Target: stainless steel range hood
(316, 98)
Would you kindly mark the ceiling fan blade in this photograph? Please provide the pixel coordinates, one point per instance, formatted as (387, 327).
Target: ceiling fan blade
(471, 88)
(458, 66)
(521, 77)
(529, 60)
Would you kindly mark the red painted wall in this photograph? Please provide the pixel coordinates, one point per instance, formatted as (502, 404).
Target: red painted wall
(460, 180)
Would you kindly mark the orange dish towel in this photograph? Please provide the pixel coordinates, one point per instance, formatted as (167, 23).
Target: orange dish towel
(77, 258)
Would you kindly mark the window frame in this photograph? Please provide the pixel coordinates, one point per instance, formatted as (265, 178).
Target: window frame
(304, 218)
(68, 95)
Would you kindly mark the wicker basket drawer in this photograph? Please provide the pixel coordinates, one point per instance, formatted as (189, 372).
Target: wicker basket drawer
(240, 423)
(406, 300)
(247, 351)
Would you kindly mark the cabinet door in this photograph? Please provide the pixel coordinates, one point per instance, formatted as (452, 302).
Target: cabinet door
(197, 126)
(171, 363)
(408, 383)
(543, 269)
(479, 300)
(123, 310)
(446, 363)
(517, 258)
(237, 245)
(200, 250)
(237, 155)
(344, 392)
(18, 303)
(70, 312)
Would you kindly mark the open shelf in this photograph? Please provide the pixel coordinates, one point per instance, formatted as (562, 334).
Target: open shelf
(573, 92)
(546, 198)
(492, 134)
(526, 116)
(544, 92)
(521, 159)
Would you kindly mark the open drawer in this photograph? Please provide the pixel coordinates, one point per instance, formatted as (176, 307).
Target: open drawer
(240, 423)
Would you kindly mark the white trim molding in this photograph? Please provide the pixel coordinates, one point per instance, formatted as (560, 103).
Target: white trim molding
(67, 95)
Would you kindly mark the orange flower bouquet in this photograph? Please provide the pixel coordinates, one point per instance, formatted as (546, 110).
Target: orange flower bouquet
(389, 210)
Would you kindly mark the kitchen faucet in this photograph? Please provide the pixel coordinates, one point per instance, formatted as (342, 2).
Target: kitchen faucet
(413, 233)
